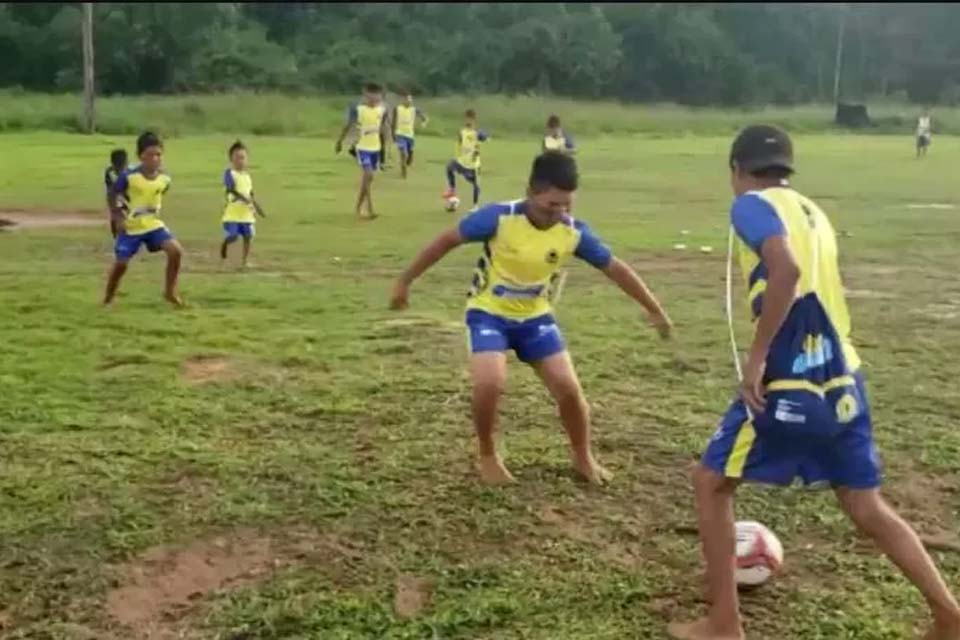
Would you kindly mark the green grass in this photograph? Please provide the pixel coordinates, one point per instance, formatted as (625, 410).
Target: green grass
(345, 425)
(275, 114)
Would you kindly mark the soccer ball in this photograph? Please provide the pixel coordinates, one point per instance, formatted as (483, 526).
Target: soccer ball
(759, 554)
(451, 203)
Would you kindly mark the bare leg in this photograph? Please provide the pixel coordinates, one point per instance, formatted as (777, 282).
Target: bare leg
(898, 541)
(404, 163)
(362, 195)
(489, 373)
(370, 212)
(174, 255)
(714, 496)
(113, 281)
(246, 250)
(226, 243)
(558, 375)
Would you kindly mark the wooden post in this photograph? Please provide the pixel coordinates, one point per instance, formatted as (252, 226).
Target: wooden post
(839, 62)
(89, 122)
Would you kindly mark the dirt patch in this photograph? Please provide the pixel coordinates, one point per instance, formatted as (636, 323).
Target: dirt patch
(870, 294)
(412, 596)
(48, 220)
(201, 369)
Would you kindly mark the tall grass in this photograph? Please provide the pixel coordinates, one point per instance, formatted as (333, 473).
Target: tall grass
(275, 114)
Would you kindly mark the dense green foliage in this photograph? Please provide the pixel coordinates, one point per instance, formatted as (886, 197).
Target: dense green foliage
(689, 53)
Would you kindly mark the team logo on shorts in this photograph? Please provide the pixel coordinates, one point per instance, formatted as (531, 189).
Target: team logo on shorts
(553, 256)
(847, 408)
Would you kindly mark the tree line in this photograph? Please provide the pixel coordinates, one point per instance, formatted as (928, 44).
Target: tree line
(693, 53)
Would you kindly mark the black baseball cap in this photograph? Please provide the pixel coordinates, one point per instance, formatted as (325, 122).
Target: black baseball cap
(761, 147)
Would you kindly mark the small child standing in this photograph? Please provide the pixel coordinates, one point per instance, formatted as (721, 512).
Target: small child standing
(238, 213)
(116, 168)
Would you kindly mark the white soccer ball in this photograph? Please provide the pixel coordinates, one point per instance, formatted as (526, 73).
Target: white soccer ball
(452, 203)
(759, 554)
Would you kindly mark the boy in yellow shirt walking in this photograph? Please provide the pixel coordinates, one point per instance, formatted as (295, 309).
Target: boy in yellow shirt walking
(238, 213)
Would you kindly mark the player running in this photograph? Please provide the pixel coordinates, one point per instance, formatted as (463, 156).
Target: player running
(924, 133)
(555, 139)
(367, 119)
(238, 211)
(136, 213)
(526, 243)
(467, 160)
(802, 411)
(405, 117)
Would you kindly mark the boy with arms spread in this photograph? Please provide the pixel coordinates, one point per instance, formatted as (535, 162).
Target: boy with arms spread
(238, 212)
(467, 160)
(367, 119)
(802, 411)
(525, 245)
(405, 117)
(136, 212)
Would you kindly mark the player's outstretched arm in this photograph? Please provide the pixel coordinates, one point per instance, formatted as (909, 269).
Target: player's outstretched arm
(633, 285)
(428, 256)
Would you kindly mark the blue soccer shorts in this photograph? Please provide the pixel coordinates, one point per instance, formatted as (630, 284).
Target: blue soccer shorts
(532, 340)
(127, 245)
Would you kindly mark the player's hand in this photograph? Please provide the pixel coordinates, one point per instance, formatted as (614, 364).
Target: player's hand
(338, 147)
(662, 323)
(751, 387)
(400, 298)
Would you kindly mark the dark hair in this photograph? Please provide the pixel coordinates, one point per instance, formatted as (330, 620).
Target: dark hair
(118, 157)
(236, 146)
(553, 122)
(554, 169)
(372, 87)
(776, 173)
(470, 113)
(147, 139)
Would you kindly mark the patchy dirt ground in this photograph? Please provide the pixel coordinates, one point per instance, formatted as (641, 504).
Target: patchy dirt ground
(15, 220)
(201, 369)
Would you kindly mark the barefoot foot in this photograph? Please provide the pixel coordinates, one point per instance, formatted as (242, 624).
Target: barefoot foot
(701, 630)
(493, 472)
(591, 471)
(173, 299)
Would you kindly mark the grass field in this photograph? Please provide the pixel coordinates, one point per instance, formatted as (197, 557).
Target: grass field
(304, 455)
(322, 116)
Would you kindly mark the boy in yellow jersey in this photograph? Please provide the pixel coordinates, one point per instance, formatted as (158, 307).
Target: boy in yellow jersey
(140, 193)
(118, 164)
(555, 139)
(526, 243)
(405, 118)
(802, 411)
(367, 119)
(467, 162)
(238, 212)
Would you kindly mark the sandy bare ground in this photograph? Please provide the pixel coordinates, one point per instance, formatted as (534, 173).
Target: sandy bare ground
(18, 219)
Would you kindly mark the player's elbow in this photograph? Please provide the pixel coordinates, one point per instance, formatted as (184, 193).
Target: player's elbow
(786, 274)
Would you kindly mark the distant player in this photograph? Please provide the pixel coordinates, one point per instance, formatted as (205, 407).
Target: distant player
(467, 161)
(136, 213)
(367, 120)
(238, 212)
(118, 164)
(405, 118)
(526, 243)
(924, 133)
(555, 139)
(803, 411)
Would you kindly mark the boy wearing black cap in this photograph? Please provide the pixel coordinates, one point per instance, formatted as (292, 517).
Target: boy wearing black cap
(802, 411)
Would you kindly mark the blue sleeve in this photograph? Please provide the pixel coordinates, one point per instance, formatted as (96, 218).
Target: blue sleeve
(120, 186)
(481, 225)
(591, 249)
(228, 181)
(482, 135)
(755, 220)
(352, 113)
(568, 141)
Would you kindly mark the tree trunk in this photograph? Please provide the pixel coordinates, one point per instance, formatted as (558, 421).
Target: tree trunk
(89, 122)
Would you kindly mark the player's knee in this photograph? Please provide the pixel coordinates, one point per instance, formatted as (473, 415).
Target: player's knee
(866, 508)
(569, 394)
(708, 482)
(174, 251)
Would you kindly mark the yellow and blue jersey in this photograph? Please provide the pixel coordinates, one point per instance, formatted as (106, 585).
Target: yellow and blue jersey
(468, 147)
(816, 426)
(406, 120)
(235, 210)
(563, 142)
(369, 123)
(142, 199)
(520, 263)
